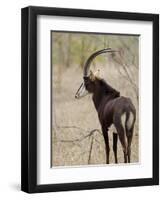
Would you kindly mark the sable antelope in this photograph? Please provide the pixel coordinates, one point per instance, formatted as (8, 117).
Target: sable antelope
(112, 109)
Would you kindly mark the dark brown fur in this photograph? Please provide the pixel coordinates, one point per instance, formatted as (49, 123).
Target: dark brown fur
(110, 107)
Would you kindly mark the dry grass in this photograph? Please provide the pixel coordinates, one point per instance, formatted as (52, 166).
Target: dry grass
(69, 146)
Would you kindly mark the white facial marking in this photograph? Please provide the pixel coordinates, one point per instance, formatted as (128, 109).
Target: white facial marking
(81, 92)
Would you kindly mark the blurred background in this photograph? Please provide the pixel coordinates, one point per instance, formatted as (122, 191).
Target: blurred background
(76, 132)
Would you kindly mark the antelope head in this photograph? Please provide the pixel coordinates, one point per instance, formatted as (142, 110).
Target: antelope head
(90, 79)
(88, 85)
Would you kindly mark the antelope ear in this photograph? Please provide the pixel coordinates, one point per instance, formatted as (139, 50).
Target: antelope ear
(92, 76)
(97, 74)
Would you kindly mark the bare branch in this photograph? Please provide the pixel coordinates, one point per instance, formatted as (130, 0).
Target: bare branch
(90, 133)
(118, 59)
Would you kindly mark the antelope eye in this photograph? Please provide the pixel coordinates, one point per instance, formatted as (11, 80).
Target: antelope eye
(85, 77)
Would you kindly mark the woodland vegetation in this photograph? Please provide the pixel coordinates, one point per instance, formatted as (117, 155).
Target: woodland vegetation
(76, 137)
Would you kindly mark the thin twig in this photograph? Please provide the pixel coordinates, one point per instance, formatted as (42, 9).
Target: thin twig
(81, 138)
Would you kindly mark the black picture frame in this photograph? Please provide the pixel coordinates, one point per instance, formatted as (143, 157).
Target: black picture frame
(29, 99)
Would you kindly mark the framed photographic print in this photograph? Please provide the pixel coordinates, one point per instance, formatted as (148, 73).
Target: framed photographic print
(90, 99)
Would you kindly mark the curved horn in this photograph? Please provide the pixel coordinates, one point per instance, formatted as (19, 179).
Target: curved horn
(90, 59)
